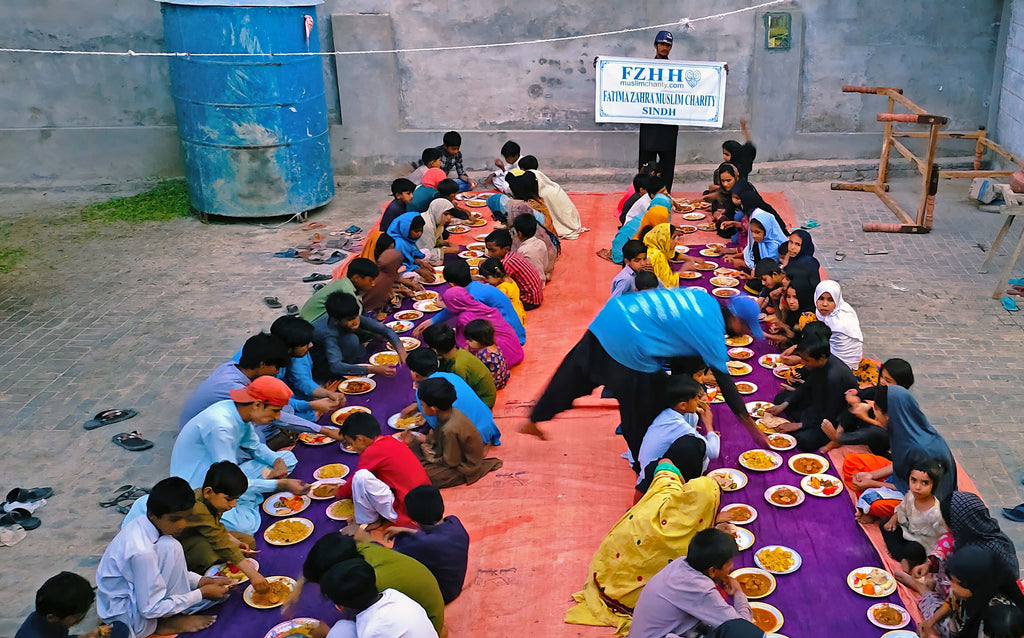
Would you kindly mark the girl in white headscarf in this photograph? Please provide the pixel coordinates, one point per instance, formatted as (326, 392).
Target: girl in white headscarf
(847, 342)
(431, 242)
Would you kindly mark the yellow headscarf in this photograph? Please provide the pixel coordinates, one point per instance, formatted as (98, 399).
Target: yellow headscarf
(655, 216)
(652, 533)
(660, 238)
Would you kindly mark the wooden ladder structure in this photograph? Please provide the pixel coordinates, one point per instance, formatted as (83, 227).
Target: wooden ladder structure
(927, 167)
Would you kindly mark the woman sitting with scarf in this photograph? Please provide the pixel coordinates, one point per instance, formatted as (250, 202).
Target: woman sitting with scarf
(798, 257)
(380, 249)
(527, 199)
(979, 556)
(565, 218)
(432, 242)
(678, 503)
(764, 236)
(464, 309)
(881, 482)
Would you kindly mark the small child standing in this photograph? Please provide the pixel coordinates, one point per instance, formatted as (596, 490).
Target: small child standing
(401, 190)
(479, 335)
(451, 160)
(441, 543)
(917, 524)
(61, 603)
(493, 272)
(453, 452)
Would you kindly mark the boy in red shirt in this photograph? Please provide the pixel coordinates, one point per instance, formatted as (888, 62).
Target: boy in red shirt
(530, 282)
(387, 471)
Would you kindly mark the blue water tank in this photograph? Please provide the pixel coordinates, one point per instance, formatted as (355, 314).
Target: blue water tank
(253, 128)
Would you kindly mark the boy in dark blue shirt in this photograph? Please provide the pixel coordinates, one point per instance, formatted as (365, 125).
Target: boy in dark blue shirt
(61, 603)
(441, 543)
(402, 190)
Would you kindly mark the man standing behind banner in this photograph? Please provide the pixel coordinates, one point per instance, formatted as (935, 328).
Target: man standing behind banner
(658, 141)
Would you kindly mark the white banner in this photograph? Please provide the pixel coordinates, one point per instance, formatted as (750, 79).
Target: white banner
(660, 92)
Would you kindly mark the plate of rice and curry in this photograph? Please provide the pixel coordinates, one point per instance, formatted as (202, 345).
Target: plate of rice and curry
(409, 343)
(739, 341)
(778, 559)
(767, 618)
(288, 531)
(398, 422)
(739, 513)
(428, 305)
(341, 414)
(280, 588)
(384, 358)
(357, 385)
(738, 368)
(755, 582)
(807, 464)
(760, 460)
(784, 496)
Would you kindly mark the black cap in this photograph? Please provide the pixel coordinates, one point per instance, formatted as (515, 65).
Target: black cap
(663, 37)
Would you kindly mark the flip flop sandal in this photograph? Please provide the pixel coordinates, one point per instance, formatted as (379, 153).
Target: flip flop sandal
(292, 310)
(290, 252)
(132, 441)
(20, 517)
(107, 417)
(317, 276)
(125, 493)
(336, 256)
(272, 302)
(1009, 304)
(29, 494)
(840, 255)
(314, 226)
(123, 509)
(318, 287)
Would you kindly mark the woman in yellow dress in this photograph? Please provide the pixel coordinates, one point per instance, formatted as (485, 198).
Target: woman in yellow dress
(657, 530)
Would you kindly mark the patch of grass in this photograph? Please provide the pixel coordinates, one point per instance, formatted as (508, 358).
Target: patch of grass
(9, 258)
(167, 201)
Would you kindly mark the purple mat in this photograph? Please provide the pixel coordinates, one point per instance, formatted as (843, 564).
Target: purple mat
(815, 600)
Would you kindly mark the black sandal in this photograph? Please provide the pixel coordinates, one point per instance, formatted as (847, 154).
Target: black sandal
(109, 416)
(28, 494)
(19, 516)
(132, 441)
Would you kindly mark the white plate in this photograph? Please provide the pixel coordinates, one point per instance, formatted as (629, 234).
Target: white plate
(682, 249)
(347, 382)
(410, 343)
(773, 611)
(378, 358)
(769, 361)
(774, 488)
(754, 406)
(473, 254)
(780, 370)
(747, 387)
(744, 538)
(730, 474)
(249, 591)
(715, 395)
(805, 484)
(790, 442)
(821, 459)
(346, 504)
(424, 295)
(318, 474)
(724, 282)
(315, 440)
(240, 577)
(756, 570)
(438, 280)
(270, 508)
(341, 414)
(693, 217)
(282, 629)
(428, 305)
(741, 353)
(312, 486)
(400, 326)
(727, 272)
(458, 229)
(773, 456)
(479, 246)
(797, 560)
(690, 274)
(854, 583)
(753, 513)
(408, 315)
(393, 419)
(710, 252)
(903, 612)
(900, 633)
(738, 368)
(725, 293)
(308, 524)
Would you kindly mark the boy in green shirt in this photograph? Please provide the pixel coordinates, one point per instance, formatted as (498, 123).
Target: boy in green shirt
(359, 278)
(441, 339)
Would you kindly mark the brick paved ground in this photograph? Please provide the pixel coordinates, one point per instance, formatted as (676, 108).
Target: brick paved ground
(136, 317)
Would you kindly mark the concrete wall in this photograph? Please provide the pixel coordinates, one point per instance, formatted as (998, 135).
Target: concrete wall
(1010, 126)
(74, 120)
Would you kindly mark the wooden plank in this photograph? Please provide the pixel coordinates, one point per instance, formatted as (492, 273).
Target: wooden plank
(947, 135)
(905, 152)
(894, 207)
(964, 174)
(1016, 159)
(837, 186)
(883, 161)
(910, 106)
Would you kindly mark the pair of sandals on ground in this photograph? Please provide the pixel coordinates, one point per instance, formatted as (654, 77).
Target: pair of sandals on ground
(131, 441)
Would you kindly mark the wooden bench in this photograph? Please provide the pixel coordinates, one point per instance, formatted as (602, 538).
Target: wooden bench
(1014, 206)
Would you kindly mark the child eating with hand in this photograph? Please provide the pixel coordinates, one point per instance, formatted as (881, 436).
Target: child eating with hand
(493, 272)
(687, 405)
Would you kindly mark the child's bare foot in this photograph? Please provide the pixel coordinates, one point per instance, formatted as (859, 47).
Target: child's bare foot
(831, 445)
(865, 519)
(531, 428)
(183, 624)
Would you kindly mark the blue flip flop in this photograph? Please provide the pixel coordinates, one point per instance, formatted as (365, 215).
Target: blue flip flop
(1016, 282)
(1009, 304)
